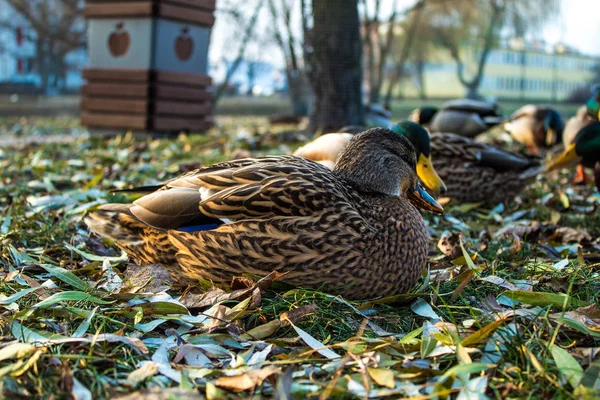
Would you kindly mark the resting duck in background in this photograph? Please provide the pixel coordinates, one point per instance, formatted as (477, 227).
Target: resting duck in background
(572, 128)
(536, 127)
(584, 150)
(353, 231)
(463, 117)
(377, 115)
(458, 167)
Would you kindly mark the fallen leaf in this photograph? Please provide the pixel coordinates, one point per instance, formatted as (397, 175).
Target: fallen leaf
(246, 381)
(146, 370)
(382, 377)
(214, 296)
(151, 278)
(568, 367)
(262, 332)
(299, 313)
(557, 300)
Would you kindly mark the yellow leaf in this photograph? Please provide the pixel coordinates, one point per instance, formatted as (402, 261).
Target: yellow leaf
(262, 331)
(480, 335)
(246, 381)
(382, 377)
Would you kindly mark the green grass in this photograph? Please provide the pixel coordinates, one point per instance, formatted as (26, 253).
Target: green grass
(46, 189)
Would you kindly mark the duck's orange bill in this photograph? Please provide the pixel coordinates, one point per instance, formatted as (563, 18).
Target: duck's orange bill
(429, 176)
(566, 158)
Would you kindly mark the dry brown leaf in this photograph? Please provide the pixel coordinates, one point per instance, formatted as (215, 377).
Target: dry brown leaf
(298, 313)
(567, 234)
(163, 394)
(214, 296)
(262, 331)
(147, 370)
(151, 278)
(591, 311)
(246, 381)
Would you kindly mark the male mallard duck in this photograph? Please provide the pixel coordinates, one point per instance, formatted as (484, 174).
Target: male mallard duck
(468, 171)
(326, 149)
(572, 128)
(473, 172)
(351, 230)
(423, 116)
(536, 127)
(462, 116)
(585, 150)
(593, 105)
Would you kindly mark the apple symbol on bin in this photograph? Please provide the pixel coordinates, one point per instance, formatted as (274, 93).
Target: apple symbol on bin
(119, 40)
(184, 45)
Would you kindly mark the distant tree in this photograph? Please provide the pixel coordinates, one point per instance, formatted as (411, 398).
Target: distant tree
(246, 37)
(463, 26)
(293, 48)
(336, 65)
(59, 29)
(412, 33)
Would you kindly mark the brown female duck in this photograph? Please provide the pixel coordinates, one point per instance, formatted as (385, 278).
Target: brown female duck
(351, 230)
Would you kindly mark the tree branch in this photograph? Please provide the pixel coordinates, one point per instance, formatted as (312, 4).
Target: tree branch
(242, 50)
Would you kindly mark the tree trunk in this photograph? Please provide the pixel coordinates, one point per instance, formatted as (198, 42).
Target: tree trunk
(336, 74)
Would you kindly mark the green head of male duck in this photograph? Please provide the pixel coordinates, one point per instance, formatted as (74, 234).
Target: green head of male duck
(419, 137)
(593, 105)
(554, 126)
(585, 149)
(387, 166)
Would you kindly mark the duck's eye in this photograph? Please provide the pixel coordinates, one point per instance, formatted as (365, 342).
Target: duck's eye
(406, 159)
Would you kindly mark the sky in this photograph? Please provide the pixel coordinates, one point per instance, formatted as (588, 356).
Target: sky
(577, 25)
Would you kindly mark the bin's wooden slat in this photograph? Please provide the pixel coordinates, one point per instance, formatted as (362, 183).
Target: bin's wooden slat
(118, 121)
(115, 105)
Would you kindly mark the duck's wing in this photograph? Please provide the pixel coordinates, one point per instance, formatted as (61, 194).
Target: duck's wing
(241, 189)
(528, 110)
(481, 108)
(478, 154)
(325, 148)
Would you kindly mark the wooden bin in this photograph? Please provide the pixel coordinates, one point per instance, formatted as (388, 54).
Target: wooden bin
(148, 62)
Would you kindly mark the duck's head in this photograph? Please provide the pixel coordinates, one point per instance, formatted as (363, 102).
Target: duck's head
(419, 137)
(585, 149)
(554, 126)
(593, 105)
(423, 115)
(381, 161)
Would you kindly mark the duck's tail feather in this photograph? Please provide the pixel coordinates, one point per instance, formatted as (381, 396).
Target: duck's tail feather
(139, 189)
(145, 244)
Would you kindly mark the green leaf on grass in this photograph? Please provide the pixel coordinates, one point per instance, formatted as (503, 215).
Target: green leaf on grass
(18, 295)
(314, 343)
(567, 365)
(25, 334)
(162, 308)
(66, 276)
(84, 326)
(93, 257)
(591, 376)
(69, 296)
(422, 308)
(541, 299)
